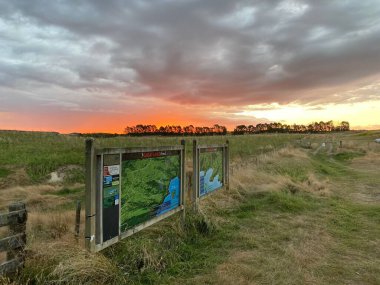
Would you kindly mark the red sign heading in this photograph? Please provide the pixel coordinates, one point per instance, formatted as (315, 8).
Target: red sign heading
(153, 154)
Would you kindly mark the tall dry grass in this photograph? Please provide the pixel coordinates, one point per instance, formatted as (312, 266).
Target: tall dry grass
(61, 262)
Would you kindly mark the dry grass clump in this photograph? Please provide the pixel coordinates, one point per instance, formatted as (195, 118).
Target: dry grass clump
(4, 232)
(34, 196)
(38, 201)
(65, 263)
(91, 270)
(303, 244)
(317, 185)
(238, 271)
(3, 257)
(360, 145)
(4, 280)
(369, 162)
(17, 176)
(368, 166)
(291, 152)
(288, 168)
(244, 179)
(50, 227)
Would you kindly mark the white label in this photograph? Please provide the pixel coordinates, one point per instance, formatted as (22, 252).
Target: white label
(116, 202)
(114, 169)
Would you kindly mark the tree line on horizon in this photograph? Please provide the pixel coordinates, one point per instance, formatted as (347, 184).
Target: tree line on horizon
(175, 130)
(316, 127)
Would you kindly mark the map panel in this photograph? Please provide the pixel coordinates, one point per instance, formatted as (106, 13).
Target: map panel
(150, 186)
(211, 170)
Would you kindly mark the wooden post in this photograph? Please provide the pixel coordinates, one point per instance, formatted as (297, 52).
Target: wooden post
(90, 196)
(189, 177)
(77, 220)
(183, 180)
(195, 189)
(228, 165)
(340, 144)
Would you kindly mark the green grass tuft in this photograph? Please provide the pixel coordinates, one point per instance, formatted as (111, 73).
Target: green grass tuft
(4, 172)
(346, 156)
(67, 191)
(281, 201)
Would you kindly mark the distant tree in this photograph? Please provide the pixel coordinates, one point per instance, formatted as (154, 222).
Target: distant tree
(240, 130)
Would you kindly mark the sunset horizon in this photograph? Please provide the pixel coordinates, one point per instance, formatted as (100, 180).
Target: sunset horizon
(229, 128)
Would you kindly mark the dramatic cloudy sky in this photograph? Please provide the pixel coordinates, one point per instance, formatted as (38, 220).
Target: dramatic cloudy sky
(100, 65)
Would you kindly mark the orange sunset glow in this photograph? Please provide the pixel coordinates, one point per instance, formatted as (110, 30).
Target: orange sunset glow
(191, 62)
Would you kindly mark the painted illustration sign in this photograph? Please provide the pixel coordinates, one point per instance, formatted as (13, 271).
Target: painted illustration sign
(111, 190)
(150, 186)
(210, 170)
(111, 178)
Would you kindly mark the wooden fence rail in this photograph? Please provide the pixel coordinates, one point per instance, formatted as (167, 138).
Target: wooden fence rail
(14, 244)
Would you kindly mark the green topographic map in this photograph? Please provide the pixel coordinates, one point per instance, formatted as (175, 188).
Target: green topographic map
(144, 186)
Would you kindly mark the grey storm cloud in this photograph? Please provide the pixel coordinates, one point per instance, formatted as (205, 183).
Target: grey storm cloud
(191, 51)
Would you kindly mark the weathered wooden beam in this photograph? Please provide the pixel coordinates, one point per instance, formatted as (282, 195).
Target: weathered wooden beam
(134, 149)
(12, 242)
(11, 266)
(15, 217)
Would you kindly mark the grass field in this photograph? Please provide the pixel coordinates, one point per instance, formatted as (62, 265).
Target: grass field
(296, 213)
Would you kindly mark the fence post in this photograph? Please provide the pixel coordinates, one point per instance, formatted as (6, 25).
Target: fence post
(195, 175)
(18, 227)
(14, 244)
(90, 196)
(228, 165)
(189, 178)
(183, 180)
(340, 144)
(77, 220)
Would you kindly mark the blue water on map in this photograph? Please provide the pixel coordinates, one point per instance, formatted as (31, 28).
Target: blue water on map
(202, 184)
(171, 201)
(206, 184)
